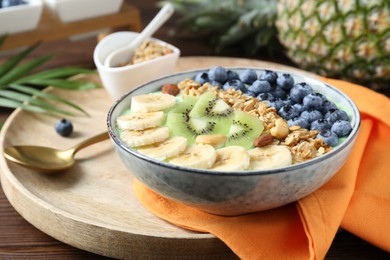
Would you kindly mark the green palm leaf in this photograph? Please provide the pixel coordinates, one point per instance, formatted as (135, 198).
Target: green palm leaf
(23, 98)
(35, 92)
(21, 88)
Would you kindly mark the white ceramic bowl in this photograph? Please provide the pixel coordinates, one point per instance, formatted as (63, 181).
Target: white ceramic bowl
(120, 80)
(75, 10)
(20, 18)
(234, 193)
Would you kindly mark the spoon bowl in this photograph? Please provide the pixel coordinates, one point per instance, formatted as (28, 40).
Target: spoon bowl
(46, 159)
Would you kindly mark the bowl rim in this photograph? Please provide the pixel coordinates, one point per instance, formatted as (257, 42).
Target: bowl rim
(352, 136)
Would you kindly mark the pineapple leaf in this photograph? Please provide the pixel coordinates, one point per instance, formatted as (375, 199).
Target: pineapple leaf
(35, 92)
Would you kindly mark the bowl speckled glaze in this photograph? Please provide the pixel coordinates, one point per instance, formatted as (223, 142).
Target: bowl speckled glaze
(234, 193)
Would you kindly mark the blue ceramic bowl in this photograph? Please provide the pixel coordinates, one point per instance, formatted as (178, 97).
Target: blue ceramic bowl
(234, 193)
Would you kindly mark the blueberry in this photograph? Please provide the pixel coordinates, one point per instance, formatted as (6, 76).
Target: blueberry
(250, 93)
(232, 75)
(298, 106)
(202, 77)
(64, 127)
(328, 105)
(216, 83)
(302, 122)
(336, 114)
(265, 96)
(269, 76)
(260, 86)
(285, 81)
(299, 91)
(234, 84)
(313, 101)
(311, 115)
(218, 73)
(320, 124)
(248, 76)
(341, 128)
(279, 93)
(276, 103)
(288, 112)
(328, 137)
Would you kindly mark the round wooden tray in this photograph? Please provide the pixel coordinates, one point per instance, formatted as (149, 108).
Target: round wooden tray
(92, 206)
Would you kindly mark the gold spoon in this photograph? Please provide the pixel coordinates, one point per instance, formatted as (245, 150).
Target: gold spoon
(47, 159)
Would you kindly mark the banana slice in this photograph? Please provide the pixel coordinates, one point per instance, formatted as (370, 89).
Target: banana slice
(196, 156)
(269, 157)
(231, 158)
(152, 102)
(213, 140)
(144, 137)
(140, 121)
(166, 149)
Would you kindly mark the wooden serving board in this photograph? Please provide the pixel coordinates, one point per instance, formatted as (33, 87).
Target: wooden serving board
(92, 206)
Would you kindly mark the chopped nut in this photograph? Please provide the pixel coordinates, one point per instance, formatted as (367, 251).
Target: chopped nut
(280, 130)
(170, 89)
(263, 140)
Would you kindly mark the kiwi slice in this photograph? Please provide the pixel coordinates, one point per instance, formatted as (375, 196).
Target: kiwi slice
(181, 123)
(244, 130)
(213, 108)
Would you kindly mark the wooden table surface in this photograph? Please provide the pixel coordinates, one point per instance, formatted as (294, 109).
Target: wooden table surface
(20, 240)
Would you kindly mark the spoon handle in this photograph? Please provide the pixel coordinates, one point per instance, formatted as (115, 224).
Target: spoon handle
(92, 140)
(162, 16)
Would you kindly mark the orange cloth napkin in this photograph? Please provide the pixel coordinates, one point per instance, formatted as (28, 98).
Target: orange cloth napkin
(357, 199)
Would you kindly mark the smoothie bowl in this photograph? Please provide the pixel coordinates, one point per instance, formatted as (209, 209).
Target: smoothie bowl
(232, 141)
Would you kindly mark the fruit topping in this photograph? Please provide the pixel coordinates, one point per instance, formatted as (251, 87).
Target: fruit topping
(152, 102)
(229, 121)
(64, 127)
(244, 129)
(200, 156)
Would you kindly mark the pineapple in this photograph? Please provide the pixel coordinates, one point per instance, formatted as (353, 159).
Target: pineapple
(347, 39)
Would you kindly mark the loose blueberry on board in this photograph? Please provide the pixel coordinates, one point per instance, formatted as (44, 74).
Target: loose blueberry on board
(269, 76)
(234, 84)
(288, 112)
(302, 122)
(232, 75)
(311, 115)
(312, 101)
(260, 86)
(285, 81)
(64, 127)
(202, 77)
(248, 76)
(299, 91)
(320, 125)
(336, 114)
(218, 73)
(341, 128)
(329, 137)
